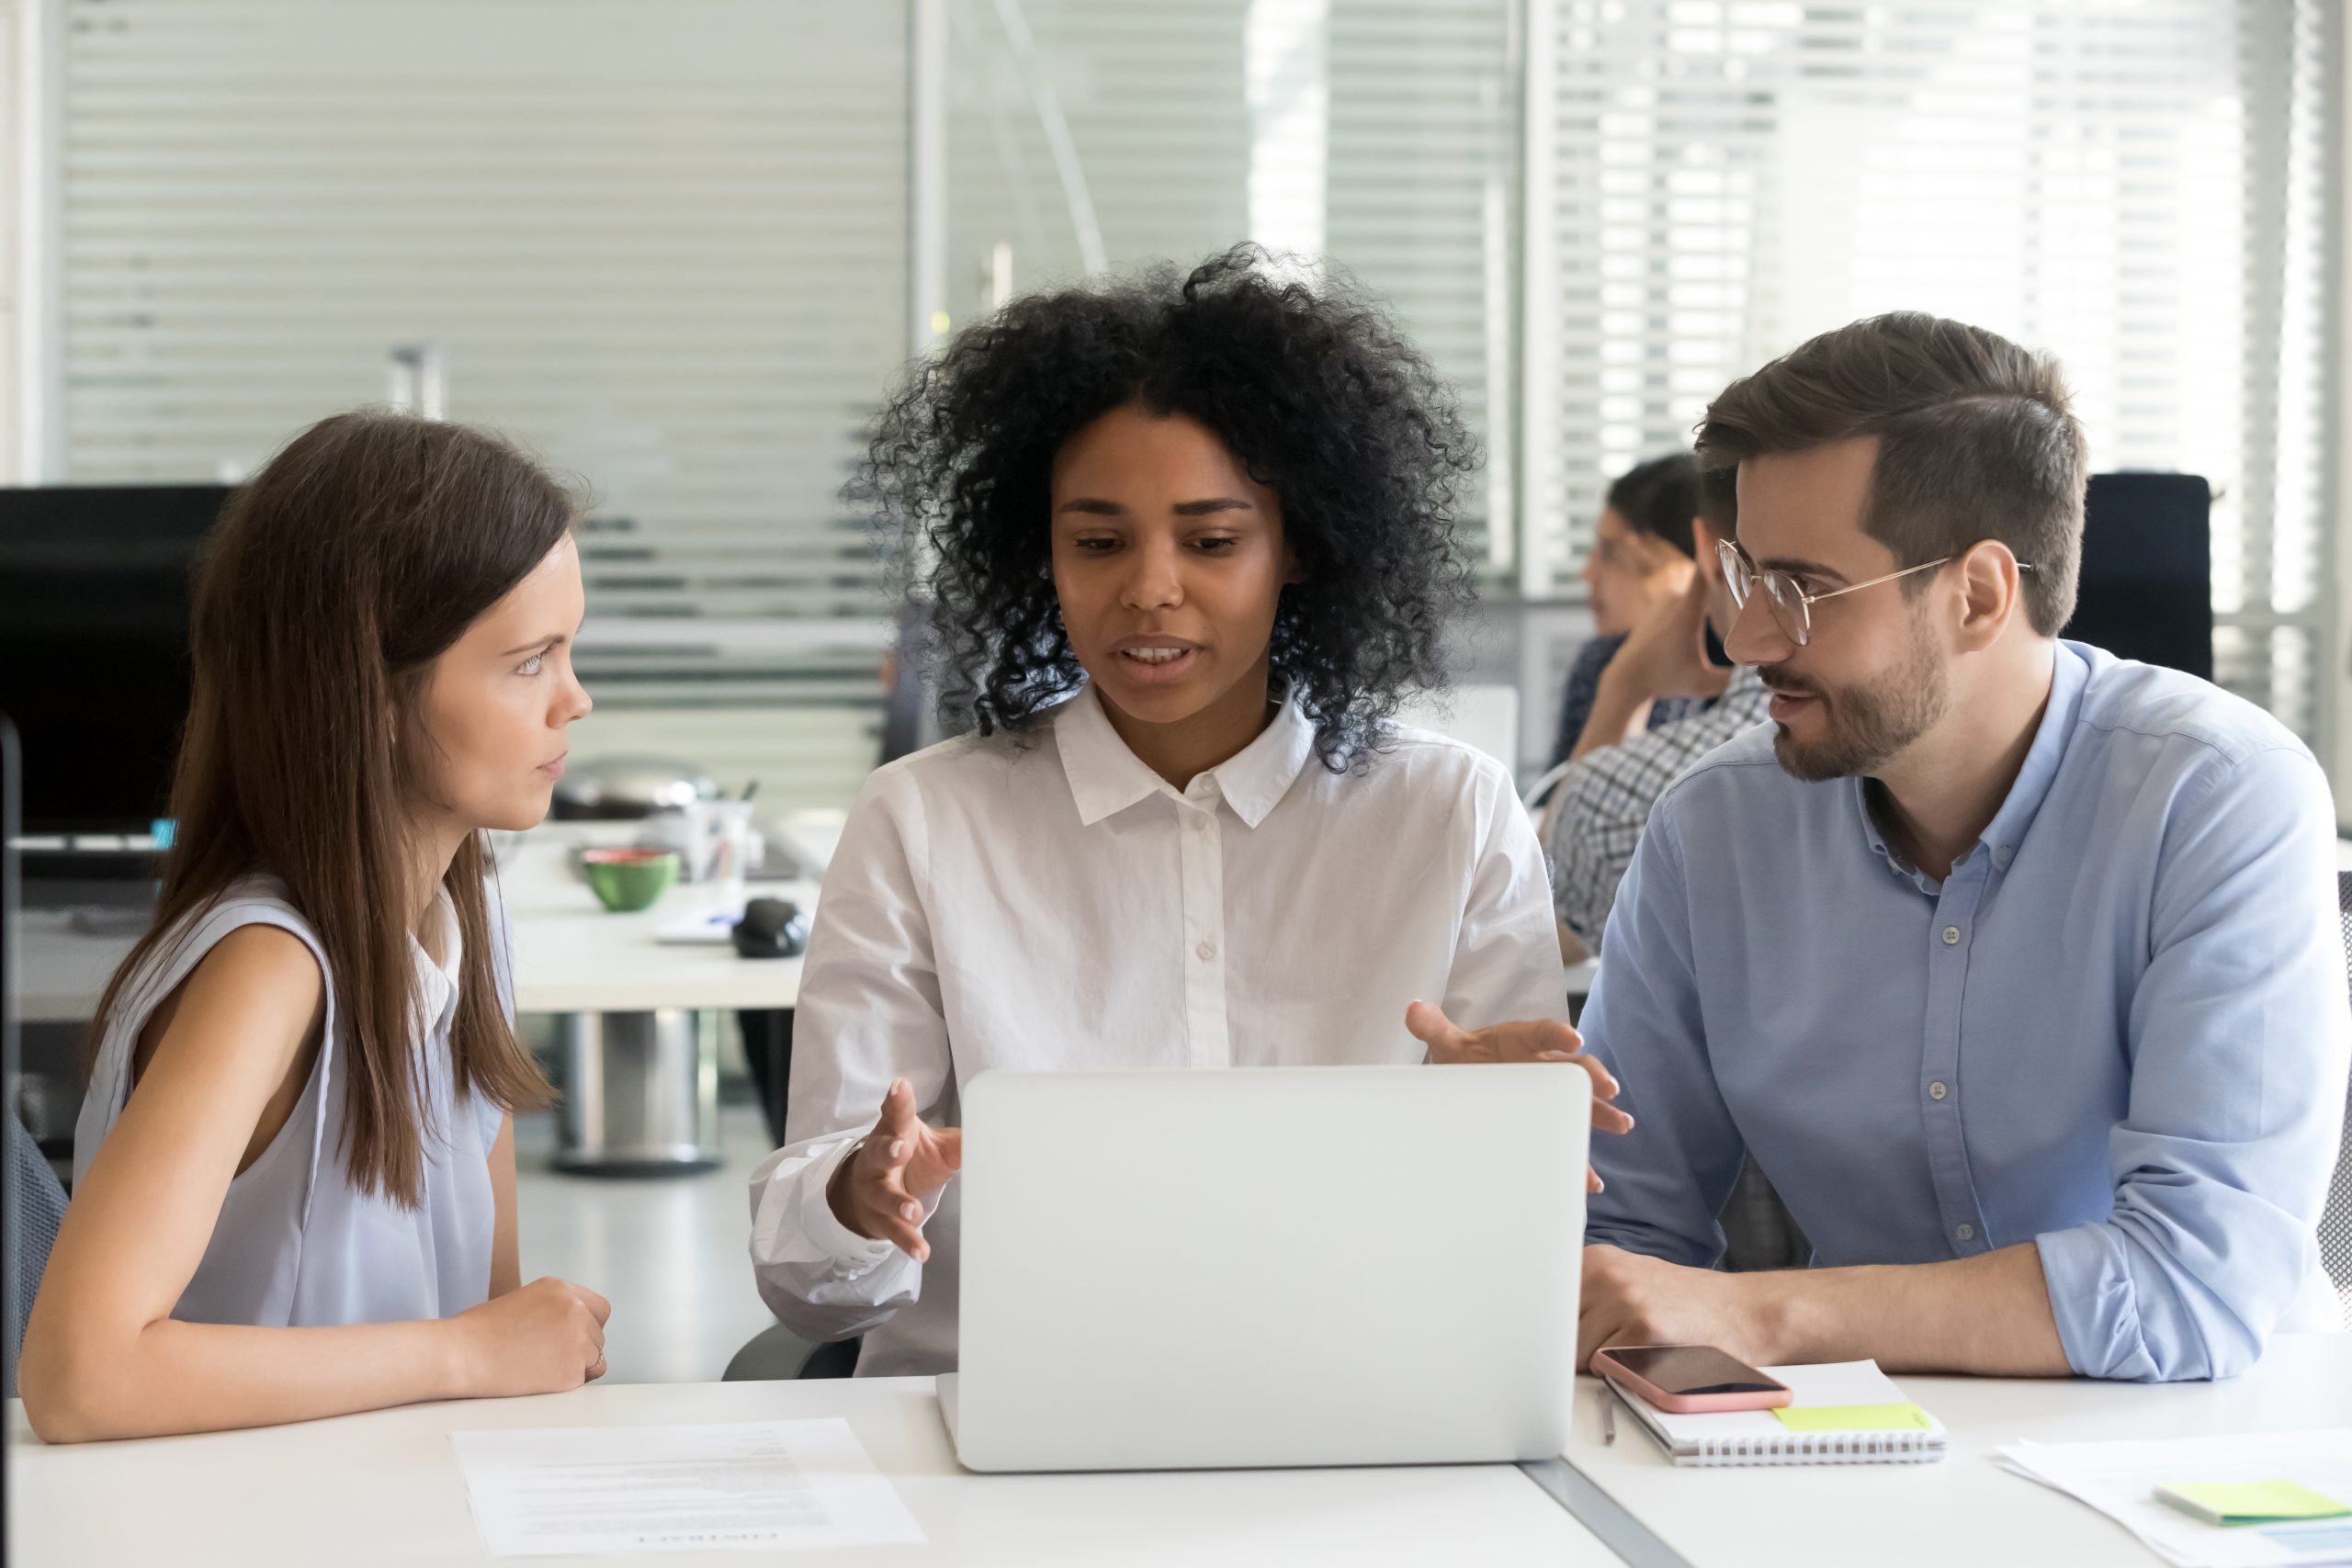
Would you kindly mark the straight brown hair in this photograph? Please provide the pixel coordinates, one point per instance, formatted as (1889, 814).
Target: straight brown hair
(1976, 441)
(333, 580)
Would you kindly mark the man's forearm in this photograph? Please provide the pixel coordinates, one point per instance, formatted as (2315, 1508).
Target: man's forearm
(1988, 1316)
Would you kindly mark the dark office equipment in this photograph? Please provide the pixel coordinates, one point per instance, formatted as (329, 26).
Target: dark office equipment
(771, 928)
(94, 618)
(11, 818)
(2147, 579)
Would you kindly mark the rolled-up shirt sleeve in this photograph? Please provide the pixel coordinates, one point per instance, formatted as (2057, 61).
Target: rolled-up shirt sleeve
(869, 1013)
(2238, 1039)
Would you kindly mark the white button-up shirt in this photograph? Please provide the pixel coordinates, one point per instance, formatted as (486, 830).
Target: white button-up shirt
(1051, 903)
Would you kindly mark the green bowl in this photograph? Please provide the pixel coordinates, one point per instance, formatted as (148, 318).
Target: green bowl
(624, 880)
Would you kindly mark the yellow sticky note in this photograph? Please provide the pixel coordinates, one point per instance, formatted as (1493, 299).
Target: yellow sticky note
(2249, 1502)
(1853, 1419)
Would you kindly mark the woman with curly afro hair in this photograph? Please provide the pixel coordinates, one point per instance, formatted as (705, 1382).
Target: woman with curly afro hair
(1187, 542)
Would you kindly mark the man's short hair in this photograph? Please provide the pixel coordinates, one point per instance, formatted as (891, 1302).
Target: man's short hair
(1719, 500)
(1975, 441)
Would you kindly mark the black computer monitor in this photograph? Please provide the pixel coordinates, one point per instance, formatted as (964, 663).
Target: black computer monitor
(2147, 577)
(93, 664)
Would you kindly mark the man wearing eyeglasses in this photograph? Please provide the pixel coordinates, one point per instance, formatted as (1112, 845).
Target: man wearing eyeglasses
(2014, 966)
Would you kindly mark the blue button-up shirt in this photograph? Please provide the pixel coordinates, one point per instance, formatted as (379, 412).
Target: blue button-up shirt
(2117, 1028)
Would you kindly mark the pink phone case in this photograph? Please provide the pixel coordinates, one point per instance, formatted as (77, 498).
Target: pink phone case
(1657, 1398)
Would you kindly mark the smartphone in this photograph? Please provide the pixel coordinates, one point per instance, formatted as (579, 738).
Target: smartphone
(1688, 1380)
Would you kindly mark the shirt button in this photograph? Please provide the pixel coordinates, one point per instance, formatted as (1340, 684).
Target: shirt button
(1966, 1233)
(2004, 852)
(1201, 824)
(1937, 1090)
(1208, 950)
(1952, 936)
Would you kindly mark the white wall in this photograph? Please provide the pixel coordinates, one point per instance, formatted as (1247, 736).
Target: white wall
(28, 239)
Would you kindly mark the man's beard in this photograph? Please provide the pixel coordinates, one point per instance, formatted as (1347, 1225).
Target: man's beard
(1866, 724)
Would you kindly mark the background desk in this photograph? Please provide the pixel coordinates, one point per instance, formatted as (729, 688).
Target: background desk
(1965, 1512)
(637, 1018)
(384, 1488)
(570, 954)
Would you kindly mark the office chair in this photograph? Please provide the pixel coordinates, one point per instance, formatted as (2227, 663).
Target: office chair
(776, 1354)
(36, 1208)
(1759, 1231)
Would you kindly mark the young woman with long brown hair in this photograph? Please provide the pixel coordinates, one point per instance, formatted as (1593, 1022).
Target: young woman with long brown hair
(295, 1167)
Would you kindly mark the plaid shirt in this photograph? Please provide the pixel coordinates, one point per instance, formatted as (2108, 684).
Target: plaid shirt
(1583, 688)
(1604, 800)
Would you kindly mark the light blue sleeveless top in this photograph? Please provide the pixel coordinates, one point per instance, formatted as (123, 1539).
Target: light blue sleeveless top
(296, 1244)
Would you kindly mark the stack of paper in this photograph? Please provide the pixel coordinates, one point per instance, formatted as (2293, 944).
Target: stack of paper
(745, 1484)
(2267, 1484)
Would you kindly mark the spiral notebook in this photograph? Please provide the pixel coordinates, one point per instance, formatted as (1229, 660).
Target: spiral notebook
(1759, 1436)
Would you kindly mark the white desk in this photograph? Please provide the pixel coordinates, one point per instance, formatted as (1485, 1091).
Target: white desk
(1965, 1512)
(385, 1488)
(570, 954)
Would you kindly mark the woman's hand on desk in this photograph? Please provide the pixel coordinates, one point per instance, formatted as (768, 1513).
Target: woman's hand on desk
(547, 1338)
(880, 1192)
(1530, 1040)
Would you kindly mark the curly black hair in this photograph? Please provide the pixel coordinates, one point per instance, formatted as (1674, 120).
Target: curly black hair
(1308, 385)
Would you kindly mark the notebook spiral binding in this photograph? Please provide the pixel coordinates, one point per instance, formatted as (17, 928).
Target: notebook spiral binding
(1854, 1448)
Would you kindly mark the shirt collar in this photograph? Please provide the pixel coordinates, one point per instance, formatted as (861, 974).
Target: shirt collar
(1105, 777)
(2069, 673)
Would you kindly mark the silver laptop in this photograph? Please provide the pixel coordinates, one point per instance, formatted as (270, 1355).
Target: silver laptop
(1295, 1265)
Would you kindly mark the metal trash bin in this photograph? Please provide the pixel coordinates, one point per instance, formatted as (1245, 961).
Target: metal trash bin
(640, 1093)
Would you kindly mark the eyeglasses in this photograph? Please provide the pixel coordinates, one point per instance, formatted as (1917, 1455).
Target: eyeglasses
(1791, 605)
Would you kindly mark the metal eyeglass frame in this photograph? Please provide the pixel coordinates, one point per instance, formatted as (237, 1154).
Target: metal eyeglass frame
(1784, 598)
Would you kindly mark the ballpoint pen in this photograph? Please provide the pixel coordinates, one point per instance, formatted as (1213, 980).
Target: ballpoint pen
(1608, 1413)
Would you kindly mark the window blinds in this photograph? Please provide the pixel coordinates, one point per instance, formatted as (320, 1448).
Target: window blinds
(2136, 186)
(1378, 133)
(665, 247)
